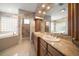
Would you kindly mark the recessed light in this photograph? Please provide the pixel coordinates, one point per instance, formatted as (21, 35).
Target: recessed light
(9, 10)
(63, 10)
(48, 7)
(44, 12)
(43, 5)
(39, 11)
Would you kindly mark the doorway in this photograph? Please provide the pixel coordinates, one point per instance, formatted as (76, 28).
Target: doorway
(26, 29)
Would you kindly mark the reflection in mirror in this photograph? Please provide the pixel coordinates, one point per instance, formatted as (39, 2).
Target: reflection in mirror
(59, 18)
(47, 26)
(59, 26)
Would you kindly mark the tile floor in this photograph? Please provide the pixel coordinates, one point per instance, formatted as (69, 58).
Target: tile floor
(25, 48)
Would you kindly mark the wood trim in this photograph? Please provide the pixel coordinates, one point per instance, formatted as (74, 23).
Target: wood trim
(69, 19)
(73, 22)
(76, 20)
(38, 45)
(37, 25)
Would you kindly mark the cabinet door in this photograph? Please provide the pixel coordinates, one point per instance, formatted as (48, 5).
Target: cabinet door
(43, 42)
(42, 50)
(49, 54)
(53, 51)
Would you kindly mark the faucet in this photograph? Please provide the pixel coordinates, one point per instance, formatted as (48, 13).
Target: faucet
(73, 39)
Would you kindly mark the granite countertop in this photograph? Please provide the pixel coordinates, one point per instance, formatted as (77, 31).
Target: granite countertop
(64, 46)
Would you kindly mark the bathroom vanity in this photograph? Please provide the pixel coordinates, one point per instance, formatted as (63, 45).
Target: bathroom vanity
(47, 45)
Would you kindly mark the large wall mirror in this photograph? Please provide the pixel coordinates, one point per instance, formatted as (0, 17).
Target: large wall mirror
(59, 18)
(60, 26)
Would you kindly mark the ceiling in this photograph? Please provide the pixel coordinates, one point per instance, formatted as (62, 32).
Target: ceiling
(13, 7)
(55, 12)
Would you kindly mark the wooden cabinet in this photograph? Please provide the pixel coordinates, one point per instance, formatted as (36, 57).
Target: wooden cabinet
(37, 25)
(73, 20)
(43, 42)
(61, 48)
(35, 41)
(53, 51)
(47, 50)
(44, 49)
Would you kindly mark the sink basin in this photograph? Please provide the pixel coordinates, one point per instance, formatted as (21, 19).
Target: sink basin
(50, 38)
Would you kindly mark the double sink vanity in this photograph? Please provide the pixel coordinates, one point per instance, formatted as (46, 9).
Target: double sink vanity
(50, 45)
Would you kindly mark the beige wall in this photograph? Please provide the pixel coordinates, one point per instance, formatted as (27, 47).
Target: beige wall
(0, 23)
(32, 25)
(30, 16)
(48, 19)
(43, 26)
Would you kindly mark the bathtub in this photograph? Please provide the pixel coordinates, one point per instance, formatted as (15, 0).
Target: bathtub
(7, 34)
(8, 39)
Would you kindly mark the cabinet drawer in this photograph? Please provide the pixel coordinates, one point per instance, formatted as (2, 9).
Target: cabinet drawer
(53, 51)
(48, 54)
(42, 50)
(43, 42)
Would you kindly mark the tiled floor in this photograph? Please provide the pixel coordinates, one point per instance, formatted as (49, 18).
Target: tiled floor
(25, 48)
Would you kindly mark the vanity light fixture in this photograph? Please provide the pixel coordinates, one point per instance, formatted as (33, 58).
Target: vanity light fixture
(43, 5)
(44, 12)
(48, 7)
(37, 17)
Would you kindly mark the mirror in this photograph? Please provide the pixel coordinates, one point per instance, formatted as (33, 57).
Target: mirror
(59, 26)
(59, 18)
